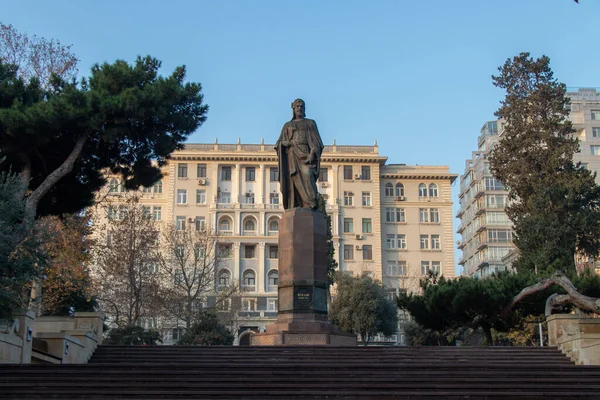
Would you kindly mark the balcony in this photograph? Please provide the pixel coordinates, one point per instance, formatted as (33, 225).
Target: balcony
(250, 233)
(250, 206)
(225, 232)
(271, 288)
(460, 213)
(225, 206)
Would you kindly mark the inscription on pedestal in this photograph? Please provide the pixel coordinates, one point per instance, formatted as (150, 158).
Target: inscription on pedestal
(303, 298)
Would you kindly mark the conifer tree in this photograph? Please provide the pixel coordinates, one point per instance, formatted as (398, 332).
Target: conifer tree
(553, 203)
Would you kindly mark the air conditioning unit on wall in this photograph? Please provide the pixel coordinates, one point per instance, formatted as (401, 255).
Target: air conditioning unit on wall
(358, 237)
(400, 198)
(324, 184)
(202, 182)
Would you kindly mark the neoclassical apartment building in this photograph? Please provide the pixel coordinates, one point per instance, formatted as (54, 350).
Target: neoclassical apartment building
(393, 222)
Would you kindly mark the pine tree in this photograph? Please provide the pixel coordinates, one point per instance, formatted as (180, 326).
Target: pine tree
(553, 203)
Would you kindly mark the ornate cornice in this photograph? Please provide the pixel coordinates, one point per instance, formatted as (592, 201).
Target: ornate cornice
(273, 158)
(421, 176)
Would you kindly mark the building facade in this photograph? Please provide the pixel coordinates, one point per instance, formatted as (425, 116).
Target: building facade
(486, 233)
(393, 222)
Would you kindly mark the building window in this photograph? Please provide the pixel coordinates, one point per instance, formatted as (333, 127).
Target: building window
(595, 150)
(366, 199)
(347, 172)
(111, 212)
(423, 215)
(274, 225)
(323, 175)
(366, 225)
(399, 189)
(158, 187)
(436, 267)
(435, 242)
(367, 251)
(225, 173)
(249, 225)
(181, 170)
(348, 225)
(146, 212)
(201, 171)
(224, 198)
(274, 198)
(274, 174)
(200, 196)
(422, 190)
(425, 267)
(114, 186)
(273, 251)
(401, 241)
(389, 190)
(249, 279)
(390, 214)
(181, 196)
(434, 215)
(249, 198)
(274, 277)
(596, 132)
(272, 305)
(348, 199)
(424, 242)
(157, 213)
(249, 251)
(396, 268)
(595, 114)
(200, 223)
(390, 241)
(225, 225)
(365, 173)
(400, 215)
(250, 174)
(224, 250)
(147, 189)
(180, 223)
(433, 190)
(348, 252)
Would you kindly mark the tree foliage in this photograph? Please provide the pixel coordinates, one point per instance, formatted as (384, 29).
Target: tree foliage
(125, 117)
(66, 284)
(554, 204)
(207, 331)
(361, 305)
(132, 335)
(464, 302)
(332, 264)
(126, 256)
(35, 57)
(21, 257)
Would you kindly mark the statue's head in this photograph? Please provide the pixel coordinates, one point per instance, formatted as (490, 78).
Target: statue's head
(298, 107)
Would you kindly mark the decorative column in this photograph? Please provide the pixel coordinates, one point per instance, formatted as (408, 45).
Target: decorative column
(260, 282)
(261, 185)
(235, 184)
(236, 262)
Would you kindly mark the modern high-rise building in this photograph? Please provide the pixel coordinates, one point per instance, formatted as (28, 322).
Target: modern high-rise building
(393, 222)
(485, 228)
(486, 241)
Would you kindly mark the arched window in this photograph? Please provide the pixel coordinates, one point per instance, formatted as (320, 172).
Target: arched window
(249, 279)
(273, 280)
(274, 225)
(389, 190)
(422, 190)
(433, 190)
(249, 224)
(224, 278)
(114, 186)
(225, 224)
(399, 189)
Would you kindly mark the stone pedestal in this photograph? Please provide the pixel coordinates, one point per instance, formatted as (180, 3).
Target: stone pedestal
(302, 291)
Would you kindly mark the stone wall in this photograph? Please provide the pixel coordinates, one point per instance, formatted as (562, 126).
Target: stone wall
(577, 336)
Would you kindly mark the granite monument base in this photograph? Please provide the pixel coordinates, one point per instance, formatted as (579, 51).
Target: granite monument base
(302, 289)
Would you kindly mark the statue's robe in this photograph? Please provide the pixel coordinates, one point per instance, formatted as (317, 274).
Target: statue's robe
(298, 180)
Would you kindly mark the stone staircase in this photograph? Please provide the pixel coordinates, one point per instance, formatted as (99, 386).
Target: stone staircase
(181, 372)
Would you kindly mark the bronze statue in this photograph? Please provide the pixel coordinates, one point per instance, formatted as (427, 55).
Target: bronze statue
(299, 151)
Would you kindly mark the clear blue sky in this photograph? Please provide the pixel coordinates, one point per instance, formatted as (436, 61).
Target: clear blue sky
(413, 75)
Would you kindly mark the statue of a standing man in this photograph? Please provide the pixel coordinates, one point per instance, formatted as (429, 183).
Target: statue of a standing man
(299, 150)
